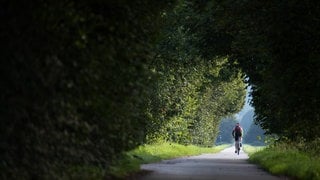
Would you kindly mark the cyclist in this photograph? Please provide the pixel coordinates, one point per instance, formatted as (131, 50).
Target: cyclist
(237, 135)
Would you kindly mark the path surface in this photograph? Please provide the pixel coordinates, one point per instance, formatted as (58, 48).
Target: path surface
(224, 165)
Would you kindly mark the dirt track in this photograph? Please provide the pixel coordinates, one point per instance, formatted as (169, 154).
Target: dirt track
(224, 165)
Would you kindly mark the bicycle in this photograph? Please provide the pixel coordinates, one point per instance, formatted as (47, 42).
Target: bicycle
(237, 135)
(237, 146)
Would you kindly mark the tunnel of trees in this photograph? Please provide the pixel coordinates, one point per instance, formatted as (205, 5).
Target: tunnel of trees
(83, 81)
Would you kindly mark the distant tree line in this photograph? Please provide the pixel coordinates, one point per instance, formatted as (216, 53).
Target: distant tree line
(253, 134)
(225, 131)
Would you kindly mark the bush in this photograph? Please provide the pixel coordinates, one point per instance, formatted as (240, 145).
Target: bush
(74, 84)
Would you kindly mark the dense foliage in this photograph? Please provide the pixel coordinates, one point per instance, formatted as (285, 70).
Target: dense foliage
(288, 97)
(74, 83)
(276, 44)
(194, 92)
(83, 81)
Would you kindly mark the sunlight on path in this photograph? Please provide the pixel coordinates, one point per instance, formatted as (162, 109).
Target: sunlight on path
(226, 154)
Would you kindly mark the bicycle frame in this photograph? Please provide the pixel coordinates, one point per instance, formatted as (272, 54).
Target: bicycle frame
(237, 145)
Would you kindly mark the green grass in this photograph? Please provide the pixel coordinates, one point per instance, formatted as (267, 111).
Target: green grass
(289, 162)
(132, 160)
(249, 149)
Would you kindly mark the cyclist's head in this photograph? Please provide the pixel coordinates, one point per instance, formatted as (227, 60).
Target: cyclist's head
(237, 124)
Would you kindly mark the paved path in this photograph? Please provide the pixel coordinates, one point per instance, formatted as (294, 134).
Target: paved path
(224, 165)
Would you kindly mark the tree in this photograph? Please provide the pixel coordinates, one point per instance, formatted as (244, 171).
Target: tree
(255, 136)
(194, 92)
(74, 84)
(277, 47)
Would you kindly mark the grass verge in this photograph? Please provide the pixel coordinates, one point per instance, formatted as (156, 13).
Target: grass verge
(131, 161)
(282, 160)
(252, 149)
